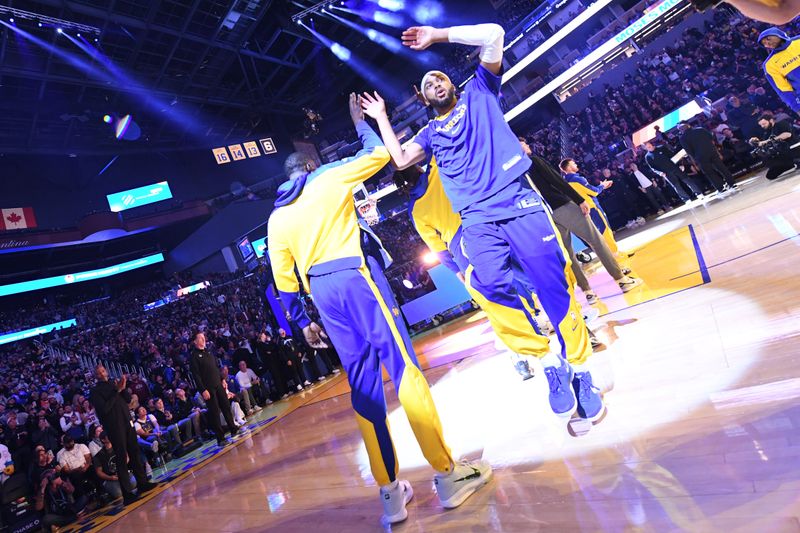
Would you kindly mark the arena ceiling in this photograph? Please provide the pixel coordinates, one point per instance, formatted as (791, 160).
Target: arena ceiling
(196, 72)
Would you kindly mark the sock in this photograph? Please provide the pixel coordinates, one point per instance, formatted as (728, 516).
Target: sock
(551, 359)
(390, 487)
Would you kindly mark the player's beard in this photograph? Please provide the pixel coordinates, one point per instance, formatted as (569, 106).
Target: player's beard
(446, 102)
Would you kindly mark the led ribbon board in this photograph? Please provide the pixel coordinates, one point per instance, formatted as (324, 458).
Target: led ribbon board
(183, 291)
(667, 122)
(35, 332)
(89, 275)
(598, 53)
(120, 201)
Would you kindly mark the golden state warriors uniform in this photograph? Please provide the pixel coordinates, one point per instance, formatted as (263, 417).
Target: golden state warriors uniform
(440, 228)
(589, 193)
(480, 162)
(782, 68)
(314, 227)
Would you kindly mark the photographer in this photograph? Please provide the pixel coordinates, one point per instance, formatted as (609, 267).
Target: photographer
(775, 145)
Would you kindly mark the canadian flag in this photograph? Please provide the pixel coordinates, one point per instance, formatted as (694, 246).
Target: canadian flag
(17, 218)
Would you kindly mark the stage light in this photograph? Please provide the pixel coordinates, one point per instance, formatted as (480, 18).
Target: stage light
(77, 35)
(107, 119)
(40, 24)
(392, 5)
(341, 52)
(299, 21)
(59, 30)
(407, 284)
(11, 20)
(430, 258)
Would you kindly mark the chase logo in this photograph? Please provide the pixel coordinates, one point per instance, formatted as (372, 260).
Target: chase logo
(460, 111)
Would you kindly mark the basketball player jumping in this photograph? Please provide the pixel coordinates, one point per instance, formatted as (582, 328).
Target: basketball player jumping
(480, 163)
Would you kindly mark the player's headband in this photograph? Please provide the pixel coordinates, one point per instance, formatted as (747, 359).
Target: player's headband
(437, 73)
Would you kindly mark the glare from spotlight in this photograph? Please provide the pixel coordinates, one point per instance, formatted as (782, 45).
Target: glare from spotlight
(430, 258)
(341, 52)
(96, 40)
(107, 119)
(299, 21)
(59, 30)
(392, 5)
(40, 24)
(11, 20)
(407, 284)
(77, 35)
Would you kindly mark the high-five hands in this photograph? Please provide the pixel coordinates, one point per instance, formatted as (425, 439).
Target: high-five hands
(356, 112)
(373, 105)
(419, 37)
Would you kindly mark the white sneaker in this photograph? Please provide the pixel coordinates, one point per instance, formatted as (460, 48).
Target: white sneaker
(154, 446)
(458, 485)
(627, 284)
(321, 378)
(306, 383)
(257, 408)
(591, 298)
(394, 500)
(300, 387)
(590, 315)
(336, 370)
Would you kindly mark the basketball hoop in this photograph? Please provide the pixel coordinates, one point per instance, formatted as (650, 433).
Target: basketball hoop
(368, 209)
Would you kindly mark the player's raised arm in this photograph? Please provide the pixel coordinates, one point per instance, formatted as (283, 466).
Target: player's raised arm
(402, 157)
(488, 36)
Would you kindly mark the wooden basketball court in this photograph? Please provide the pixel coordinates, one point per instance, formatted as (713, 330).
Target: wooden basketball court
(702, 434)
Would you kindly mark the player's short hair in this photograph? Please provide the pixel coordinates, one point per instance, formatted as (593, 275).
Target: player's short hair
(565, 162)
(297, 163)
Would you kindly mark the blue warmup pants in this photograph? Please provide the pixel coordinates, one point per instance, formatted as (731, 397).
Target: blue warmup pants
(534, 243)
(358, 318)
(513, 324)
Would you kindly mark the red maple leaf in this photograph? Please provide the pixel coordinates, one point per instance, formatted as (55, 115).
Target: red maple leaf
(14, 218)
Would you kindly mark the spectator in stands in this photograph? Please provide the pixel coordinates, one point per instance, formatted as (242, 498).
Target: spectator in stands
(6, 463)
(75, 460)
(44, 434)
(60, 501)
(699, 145)
(743, 116)
(71, 424)
(184, 410)
(44, 461)
(105, 467)
(171, 431)
(248, 384)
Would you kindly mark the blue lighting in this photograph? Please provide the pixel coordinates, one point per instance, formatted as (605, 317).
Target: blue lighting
(40, 24)
(59, 30)
(428, 11)
(107, 119)
(35, 332)
(11, 20)
(388, 19)
(120, 201)
(341, 52)
(392, 5)
(88, 275)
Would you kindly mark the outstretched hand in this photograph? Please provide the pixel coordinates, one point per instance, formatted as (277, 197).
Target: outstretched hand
(373, 105)
(314, 335)
(356, 113)
(419, 37)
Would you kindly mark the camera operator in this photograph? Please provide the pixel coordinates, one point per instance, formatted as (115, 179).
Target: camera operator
(775, 145)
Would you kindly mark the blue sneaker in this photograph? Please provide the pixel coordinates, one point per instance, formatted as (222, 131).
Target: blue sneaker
(590, 403)
(562, 397)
